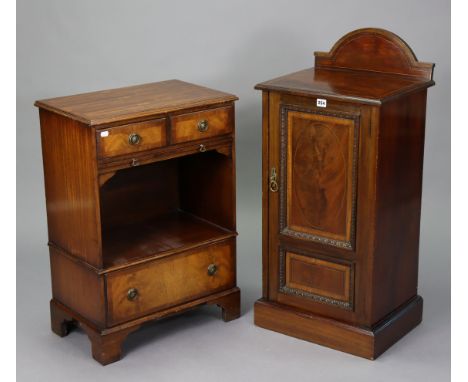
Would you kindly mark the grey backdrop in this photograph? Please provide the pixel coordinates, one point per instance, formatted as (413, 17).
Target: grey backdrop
(66, 47)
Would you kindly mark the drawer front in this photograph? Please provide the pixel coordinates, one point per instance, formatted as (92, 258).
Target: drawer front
(169, 281)
(322, 280)
(202, 124)
(131, 138)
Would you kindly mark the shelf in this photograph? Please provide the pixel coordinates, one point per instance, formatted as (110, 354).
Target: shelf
(173, 232)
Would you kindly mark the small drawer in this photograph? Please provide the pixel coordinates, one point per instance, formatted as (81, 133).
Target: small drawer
(322, 280)
(172, 280)
(202, 124)
(131, 138)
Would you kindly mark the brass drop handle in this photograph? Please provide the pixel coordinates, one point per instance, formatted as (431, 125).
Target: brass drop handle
(134, 139)
(273, 182)
(132, 294)
(202, 148)
(212, 268)
(202, 125)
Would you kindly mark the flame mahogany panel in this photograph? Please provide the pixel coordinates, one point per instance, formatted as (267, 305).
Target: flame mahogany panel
(320, 151)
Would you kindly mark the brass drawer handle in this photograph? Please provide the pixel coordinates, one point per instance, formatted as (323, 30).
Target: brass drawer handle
(273, 182)
(202, 148)
(212, 268)
(134, 139)
(132, 294)
(202, 125)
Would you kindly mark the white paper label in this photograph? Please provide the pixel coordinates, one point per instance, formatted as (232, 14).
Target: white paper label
(104, 134)
(321, 102)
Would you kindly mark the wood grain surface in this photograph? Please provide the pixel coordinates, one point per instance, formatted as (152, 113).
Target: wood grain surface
(133, 102)
(184, 127)
(116, 140)
(341, 230)
(71, 186)
(320, 151)
(169, 281)
(154, 213)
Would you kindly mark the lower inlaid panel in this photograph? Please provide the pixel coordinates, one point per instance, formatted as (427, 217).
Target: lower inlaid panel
(318, 279)
(169, 281)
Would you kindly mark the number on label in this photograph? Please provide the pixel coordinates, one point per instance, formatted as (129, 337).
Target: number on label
(321, 102)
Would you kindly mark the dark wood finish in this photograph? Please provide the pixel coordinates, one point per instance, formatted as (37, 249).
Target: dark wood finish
(368, 66)
(320, 198)
(323, 278)
(265, 191)
(185, 126)
(363, 342)
(169, 233)
(374, 50)
(107, 343)
(70, 177)
(208, 182)
(107, 348)
(60, 321)
(132, 103)
(229, 304)
(345, 85)
(116, 140)
(341, 230)
(169, 281)
(77, 286)
(221, 145)
(398, 205)
(138, 194)
(145, 229)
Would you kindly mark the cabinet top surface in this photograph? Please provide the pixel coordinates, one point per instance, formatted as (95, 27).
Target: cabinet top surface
(354, 85)
(133, 102)
(368, 65)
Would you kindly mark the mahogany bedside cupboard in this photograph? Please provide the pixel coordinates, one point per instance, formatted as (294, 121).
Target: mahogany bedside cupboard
(343, 148)
(140, 192)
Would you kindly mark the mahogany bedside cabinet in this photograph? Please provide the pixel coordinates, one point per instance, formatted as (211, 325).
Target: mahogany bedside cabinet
(343, 147)
(140, 193)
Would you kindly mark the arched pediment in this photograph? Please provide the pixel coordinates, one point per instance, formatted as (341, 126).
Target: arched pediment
(376, 50)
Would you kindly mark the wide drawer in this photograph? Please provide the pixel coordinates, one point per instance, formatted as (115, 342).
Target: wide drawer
(172, 280)
(202, 124)
(131, 138)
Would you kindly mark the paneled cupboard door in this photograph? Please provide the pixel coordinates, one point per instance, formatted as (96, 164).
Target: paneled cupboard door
(313, 184)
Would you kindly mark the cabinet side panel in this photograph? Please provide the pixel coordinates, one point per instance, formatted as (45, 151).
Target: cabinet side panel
(77, 287)
(265, 189)
(70, 175)
(398, 205)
